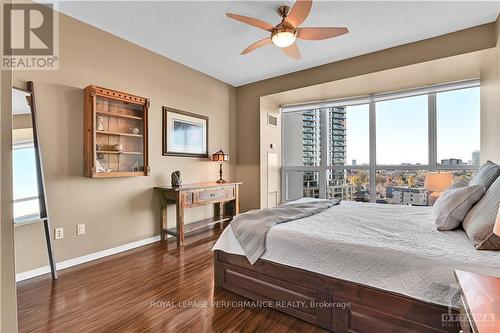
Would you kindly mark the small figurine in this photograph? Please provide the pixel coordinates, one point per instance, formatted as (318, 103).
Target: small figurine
(134, 167)
(118, 147)
(100, 123)
(134, 130)
(176, 179)
(100, 168)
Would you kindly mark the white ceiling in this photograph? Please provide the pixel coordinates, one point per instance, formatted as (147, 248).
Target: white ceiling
(199, 35)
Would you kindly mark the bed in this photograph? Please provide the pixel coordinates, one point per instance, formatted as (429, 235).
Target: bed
(358, 267)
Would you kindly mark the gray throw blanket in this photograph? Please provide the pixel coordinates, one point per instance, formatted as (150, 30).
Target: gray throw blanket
(251, 228)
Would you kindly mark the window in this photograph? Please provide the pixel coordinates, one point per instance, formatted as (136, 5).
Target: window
(302, 132)
(25, 186)
(380, 148)
(402, 136)
(458, 127)
(403, 187)
(301, 184)
(357, 124)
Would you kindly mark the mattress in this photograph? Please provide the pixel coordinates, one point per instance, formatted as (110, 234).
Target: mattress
(390, 247)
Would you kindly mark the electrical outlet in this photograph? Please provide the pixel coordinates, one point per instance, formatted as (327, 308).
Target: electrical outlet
(80, 229)
(59, 233)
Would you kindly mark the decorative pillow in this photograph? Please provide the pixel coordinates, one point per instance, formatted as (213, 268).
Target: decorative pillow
(486, 175)
(453, 205)
(479, 222)
(459, 184)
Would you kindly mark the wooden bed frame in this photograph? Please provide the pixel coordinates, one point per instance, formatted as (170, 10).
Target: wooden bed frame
(340, 306)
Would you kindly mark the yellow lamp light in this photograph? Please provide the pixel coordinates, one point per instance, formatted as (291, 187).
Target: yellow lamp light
(437, 182)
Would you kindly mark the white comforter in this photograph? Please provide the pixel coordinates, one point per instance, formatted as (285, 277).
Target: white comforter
(391, 247)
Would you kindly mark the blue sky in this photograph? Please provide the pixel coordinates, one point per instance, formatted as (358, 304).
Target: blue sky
(402, 128)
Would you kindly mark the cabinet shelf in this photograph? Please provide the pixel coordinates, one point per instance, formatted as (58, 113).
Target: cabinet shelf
(119, 152)
(118, 115)
(200, 225)
(119, 134)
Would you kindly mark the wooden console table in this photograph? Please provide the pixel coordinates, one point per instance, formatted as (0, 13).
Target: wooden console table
(224, 197)
(480, 302)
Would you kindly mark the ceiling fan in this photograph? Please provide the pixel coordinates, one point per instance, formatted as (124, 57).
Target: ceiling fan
(284, 34)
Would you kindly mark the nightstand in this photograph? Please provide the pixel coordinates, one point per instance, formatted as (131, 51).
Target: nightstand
(480, 302)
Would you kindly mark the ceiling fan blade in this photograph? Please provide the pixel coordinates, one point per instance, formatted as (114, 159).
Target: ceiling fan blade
(251, 21)
(292, 51)
(256, 45)
(299, 12)
(320, 33)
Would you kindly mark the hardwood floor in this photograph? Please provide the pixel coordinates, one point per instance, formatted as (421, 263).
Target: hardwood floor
(155, 288)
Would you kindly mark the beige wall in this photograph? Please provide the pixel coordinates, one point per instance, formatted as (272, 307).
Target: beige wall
(248, 96)
(490, 104)
(122, 210)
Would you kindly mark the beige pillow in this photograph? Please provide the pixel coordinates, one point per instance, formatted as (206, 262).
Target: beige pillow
(479, 222)
(453, 205)
(486, 175)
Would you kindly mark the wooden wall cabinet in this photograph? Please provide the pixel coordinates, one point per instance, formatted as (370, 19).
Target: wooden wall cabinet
(115, 134)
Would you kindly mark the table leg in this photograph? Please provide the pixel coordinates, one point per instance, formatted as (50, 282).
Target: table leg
(163, 221)
(219, 212)
(180, 222)
(236, 200)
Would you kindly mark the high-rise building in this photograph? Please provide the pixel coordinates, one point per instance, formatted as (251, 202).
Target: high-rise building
(336, 152)
(476, 157)
(311, 155)
(335, 155)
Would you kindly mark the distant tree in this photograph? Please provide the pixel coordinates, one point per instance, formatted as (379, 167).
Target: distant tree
(411, 181)
(357, 182)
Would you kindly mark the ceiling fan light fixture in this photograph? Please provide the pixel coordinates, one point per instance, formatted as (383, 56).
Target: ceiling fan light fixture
(283, 37)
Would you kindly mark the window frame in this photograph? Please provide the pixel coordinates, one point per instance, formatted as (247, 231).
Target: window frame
(373, 167)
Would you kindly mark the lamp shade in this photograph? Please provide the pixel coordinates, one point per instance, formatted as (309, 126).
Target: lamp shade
(220, 156)
(438, 181)
(496, 229)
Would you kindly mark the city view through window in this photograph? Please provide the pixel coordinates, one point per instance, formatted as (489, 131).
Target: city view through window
(326, 151)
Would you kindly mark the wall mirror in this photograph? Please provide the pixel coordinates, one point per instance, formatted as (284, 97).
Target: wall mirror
(30, 204)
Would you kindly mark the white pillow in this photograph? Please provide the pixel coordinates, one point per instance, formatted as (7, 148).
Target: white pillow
(453, 205)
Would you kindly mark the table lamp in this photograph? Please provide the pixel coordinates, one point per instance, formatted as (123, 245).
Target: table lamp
(496, 229)
(220, 157)
(437, 182)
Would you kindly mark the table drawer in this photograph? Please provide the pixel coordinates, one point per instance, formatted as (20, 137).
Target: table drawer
(215, 195)
(188, 198)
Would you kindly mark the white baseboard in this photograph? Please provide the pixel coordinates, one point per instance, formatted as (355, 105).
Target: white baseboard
(86, 258)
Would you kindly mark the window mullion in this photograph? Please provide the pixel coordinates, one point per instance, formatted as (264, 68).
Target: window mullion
(324, 130)
(432, 131)
(373, 150)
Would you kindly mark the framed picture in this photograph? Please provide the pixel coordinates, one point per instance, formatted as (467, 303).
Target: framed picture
(184, 133)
